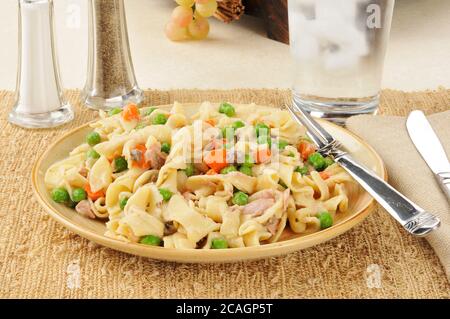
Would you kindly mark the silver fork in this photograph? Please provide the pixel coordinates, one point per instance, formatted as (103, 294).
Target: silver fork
(413, 218)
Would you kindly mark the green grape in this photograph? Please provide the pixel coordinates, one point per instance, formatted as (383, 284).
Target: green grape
(182, 16)
(207, 8)
(185, 3)
(198, 29)
(176, 33)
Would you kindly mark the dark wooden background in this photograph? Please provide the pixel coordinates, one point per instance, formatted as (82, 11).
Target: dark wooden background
(274, 14)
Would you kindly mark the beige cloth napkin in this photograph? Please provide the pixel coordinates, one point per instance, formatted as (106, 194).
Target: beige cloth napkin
(408, 172)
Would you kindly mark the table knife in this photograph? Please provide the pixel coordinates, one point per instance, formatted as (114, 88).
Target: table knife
(430, 148)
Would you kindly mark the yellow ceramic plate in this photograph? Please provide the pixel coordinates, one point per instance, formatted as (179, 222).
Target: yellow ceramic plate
(360, 206)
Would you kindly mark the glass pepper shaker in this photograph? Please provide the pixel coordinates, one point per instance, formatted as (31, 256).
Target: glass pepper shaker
(40, 102)
(111, 81)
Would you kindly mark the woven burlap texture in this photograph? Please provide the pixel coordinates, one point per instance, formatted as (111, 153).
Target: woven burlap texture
(40, 258)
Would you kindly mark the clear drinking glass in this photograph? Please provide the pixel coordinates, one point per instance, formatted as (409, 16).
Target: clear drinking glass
(40, 102)
(111, 81)
(338, 48)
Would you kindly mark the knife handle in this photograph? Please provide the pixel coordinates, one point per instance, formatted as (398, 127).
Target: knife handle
(444, 182)
(414, 219)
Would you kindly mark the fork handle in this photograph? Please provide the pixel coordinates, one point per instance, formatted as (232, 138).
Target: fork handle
(414, 219)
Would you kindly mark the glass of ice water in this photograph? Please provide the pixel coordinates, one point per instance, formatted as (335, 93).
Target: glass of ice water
(338, 49)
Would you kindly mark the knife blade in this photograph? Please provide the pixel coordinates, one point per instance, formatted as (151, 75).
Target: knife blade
(430, 148)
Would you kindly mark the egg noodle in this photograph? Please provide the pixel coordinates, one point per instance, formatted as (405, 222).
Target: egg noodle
(228, 176)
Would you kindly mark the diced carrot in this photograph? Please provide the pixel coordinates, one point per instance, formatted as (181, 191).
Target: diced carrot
(216, 159)
(263, 155)
(211, 172)
(306, 149)
(92, 195)
(131, 112)
(142, 163)
(211, 122)
(324, 175)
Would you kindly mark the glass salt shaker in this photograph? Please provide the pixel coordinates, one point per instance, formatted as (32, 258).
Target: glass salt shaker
(40, 102)
(111, 81)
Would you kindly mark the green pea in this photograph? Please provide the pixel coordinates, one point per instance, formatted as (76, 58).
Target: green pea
(149, 111)
(228, 133)
(240, 198)
(120, 164)
(114, 111)
(282, 144)
(291, 154)
(60, 195)
(248, 160)
(93, 138)
(190, 170)
(247, 170)
(140, 126)
(165, 147)
(165, 193)
(92, 154)
(265, 139)
(325, 220)
(317, 161)
(227, 109)
(78, 195)
(302, 170)
(328, 161)
(238, 124)
(219, 243)
(228, 169)
(151, 240)
(123, 202)
(159, 119)
(262, 129)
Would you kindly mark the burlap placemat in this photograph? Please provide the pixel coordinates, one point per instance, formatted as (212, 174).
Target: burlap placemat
(39, 258)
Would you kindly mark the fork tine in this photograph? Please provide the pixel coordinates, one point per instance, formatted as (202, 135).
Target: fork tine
(311, 124)
(310, 131)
